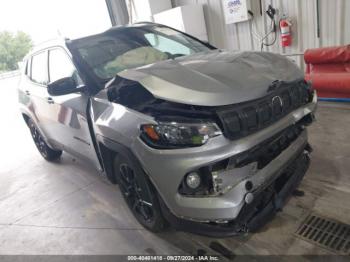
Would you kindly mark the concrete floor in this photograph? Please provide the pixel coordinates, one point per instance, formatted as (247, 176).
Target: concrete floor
(67, 208)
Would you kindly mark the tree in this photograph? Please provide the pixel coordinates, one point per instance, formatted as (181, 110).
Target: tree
(13, 47)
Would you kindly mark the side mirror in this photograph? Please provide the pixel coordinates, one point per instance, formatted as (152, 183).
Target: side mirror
(63, 86)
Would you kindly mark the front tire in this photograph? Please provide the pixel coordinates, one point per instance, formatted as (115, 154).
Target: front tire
(47, 153)
(139, 194)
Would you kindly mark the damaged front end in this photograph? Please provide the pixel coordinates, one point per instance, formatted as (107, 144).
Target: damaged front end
(259, 207)
(218, 133)
(257, 174)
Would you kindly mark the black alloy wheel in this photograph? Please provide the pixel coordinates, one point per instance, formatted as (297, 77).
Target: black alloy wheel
(46, 152)
(135, 189)
(132, 192)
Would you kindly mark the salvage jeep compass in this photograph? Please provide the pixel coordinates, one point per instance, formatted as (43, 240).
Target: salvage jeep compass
(203, 139)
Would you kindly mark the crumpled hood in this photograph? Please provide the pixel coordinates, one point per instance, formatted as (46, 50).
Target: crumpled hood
(214, 78)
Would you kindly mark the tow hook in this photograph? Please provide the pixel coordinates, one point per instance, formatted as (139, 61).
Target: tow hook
(278, 203)
(308, 149)
(244, 228)
(298, 193)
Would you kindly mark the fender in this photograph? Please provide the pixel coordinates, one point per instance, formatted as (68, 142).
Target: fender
(109, 149)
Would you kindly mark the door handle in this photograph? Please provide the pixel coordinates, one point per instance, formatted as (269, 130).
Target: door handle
(50, 100)
(27, 93)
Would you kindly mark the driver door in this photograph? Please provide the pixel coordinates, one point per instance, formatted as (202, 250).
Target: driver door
(68, 125)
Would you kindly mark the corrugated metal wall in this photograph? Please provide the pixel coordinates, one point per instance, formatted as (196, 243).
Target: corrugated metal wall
(334, 24)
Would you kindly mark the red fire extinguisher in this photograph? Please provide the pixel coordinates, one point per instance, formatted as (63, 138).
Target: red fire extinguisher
(286, 34)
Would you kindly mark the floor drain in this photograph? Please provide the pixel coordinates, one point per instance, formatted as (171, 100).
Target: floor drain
(327, 233)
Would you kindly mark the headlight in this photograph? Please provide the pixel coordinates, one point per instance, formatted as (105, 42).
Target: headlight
(178, 135)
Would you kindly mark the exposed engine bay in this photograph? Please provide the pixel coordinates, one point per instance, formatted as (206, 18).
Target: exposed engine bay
(236, 120)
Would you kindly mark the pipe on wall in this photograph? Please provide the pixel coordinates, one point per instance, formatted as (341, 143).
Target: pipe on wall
(118, 12)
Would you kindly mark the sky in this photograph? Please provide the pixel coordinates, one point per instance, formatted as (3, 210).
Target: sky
(47, 19)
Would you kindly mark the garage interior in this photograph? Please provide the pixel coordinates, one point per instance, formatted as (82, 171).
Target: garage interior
(66, 207)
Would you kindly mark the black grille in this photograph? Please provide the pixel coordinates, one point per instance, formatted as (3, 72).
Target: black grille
(241, 120)
(327, 233)
(267, 151)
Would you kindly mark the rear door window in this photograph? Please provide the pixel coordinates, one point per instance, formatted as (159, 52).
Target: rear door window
(39, 68)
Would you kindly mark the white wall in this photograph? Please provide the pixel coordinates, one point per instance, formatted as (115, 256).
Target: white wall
(334, 17)
(143, 10)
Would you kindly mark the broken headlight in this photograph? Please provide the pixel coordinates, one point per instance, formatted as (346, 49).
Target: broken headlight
(178, 135)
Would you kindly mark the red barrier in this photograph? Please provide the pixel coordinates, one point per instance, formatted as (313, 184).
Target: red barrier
(326, 55)
(329, 70)
(331, 85)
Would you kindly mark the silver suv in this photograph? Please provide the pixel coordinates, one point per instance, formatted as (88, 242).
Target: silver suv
(207, 140)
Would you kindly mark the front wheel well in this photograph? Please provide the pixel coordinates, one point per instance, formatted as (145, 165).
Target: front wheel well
(109, 150)
(108, 156)
(25, 117)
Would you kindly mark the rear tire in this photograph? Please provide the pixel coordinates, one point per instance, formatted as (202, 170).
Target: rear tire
(134, 185)
(47, 153)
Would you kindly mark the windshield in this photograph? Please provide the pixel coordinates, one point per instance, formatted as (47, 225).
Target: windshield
(125, 48)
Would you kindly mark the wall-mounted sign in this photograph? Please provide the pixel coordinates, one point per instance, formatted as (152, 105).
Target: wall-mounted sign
(236, 10)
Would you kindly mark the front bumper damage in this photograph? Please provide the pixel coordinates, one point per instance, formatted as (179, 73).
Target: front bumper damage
(268, 200)
(236, 208)
(227, 204)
